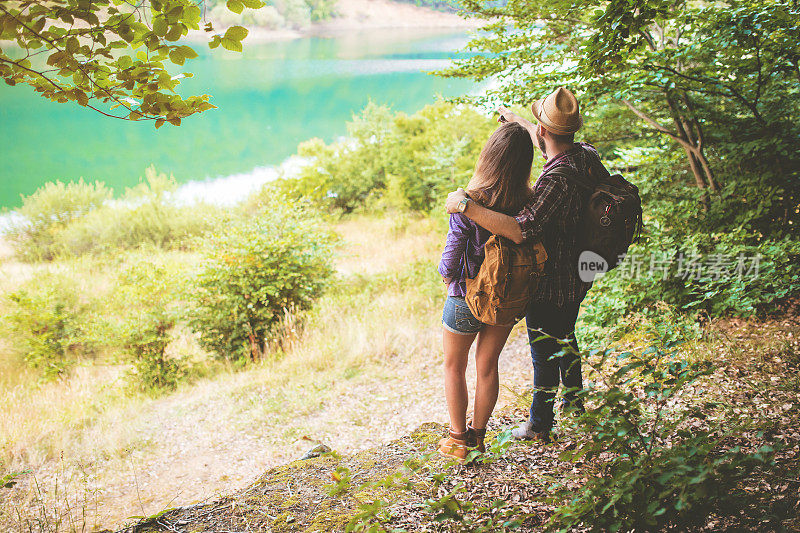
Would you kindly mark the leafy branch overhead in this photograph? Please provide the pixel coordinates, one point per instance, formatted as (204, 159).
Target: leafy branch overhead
(110, 55)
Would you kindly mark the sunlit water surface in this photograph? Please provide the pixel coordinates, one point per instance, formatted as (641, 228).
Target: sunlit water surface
(270, 97)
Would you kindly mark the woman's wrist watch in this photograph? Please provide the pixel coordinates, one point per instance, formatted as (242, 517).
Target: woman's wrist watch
(462, 205)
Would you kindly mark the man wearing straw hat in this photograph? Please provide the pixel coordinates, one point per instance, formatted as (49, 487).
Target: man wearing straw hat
(551, 216)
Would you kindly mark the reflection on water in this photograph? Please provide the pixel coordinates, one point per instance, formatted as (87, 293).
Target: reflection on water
(270, 97)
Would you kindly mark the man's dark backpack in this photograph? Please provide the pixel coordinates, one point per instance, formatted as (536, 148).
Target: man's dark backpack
(612, 214)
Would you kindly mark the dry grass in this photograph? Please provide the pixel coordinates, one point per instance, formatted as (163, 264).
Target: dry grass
(351, 364)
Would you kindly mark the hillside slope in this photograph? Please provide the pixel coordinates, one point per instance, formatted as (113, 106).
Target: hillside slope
(404, 486)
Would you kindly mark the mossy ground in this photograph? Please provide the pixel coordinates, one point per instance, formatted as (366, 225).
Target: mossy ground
(304, 495)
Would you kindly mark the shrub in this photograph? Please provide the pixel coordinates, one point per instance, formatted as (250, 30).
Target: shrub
(658, 467)
(721, 262)
(150, 293)
(225, 16)
(146, 215)
(707, 274)
(147, 343)
(254, 271)
(296, 12)
(47, 324)
(46, 212)
(397, 160)
(321, 9)
(267, 17)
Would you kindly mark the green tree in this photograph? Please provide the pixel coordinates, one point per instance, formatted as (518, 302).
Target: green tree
(682, 67)
(402, 160)
(110, 54)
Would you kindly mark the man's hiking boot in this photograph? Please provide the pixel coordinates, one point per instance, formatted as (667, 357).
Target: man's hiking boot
(525, 432)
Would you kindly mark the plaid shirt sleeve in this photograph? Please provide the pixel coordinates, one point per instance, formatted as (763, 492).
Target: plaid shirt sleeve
(548, 196)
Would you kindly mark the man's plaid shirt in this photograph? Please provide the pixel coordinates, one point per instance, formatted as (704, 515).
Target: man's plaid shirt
(552, 215)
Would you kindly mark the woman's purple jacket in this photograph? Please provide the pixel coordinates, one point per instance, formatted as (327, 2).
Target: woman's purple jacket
(465, 241)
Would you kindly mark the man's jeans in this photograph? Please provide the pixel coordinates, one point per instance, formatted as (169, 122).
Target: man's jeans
(551, 332)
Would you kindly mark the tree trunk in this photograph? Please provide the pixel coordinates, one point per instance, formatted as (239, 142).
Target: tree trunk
(699, 142)
(698, 177)
(685, 139)
(712, 184)
(704, 177)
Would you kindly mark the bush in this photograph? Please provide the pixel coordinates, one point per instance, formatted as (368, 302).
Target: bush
(49, 210)
(722, 262)
(702, 275)
(225, 16)
(150, 293)
(657, 467)
(266, 17)
(392, 160)
(145, 215)
(296, 12)
(253, 272)
(47, 324)
(322, 9)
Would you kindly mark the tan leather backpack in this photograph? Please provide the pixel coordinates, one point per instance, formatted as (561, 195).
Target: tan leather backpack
(499, 294)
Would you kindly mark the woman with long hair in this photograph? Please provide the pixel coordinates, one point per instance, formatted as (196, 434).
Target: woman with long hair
(501, 182)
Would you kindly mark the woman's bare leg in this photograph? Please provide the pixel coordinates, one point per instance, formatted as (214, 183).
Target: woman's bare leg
(456, 355)
(491, 340)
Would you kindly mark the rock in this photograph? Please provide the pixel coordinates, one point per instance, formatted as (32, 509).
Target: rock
(316, 451)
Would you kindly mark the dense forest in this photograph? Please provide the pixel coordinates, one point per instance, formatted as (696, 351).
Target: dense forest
(690, 345)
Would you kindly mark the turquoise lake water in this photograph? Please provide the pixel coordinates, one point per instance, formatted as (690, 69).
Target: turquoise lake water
(270, 97)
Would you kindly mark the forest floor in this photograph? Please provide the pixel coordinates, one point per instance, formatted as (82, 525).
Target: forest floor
(756, 372)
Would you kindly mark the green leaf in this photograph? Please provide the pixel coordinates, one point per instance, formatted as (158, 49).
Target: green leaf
(176, 57)
(236, 33)
(234, 46)
(174, 32)
(125, 62)
(235, 5)
(160, 26)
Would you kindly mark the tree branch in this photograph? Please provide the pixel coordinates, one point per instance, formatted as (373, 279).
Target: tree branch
(57, 86)
(658, 127)
(55, 47)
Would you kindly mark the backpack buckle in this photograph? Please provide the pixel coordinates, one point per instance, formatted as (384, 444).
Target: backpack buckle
(605, 221)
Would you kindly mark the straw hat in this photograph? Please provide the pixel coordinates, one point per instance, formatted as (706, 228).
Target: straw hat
(558, 112)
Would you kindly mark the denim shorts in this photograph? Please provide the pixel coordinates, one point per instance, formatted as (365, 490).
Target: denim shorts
(458, 318)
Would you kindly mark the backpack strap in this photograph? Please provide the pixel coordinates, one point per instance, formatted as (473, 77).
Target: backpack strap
(565, 171)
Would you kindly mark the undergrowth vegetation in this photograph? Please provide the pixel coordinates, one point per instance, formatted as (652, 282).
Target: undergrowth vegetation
(152, 296)
(67, 220)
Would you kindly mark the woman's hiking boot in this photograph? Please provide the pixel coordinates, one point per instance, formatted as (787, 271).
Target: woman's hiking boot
(477, 436)
(458, 445)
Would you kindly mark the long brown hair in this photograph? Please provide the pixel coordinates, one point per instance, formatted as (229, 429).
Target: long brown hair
(503, 172)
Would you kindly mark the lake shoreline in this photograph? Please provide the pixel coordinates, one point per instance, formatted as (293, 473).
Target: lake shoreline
(360, 15)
